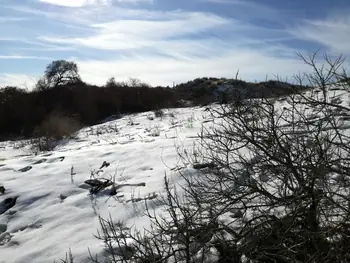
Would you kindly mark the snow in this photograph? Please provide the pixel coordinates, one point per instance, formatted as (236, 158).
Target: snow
(54, 211)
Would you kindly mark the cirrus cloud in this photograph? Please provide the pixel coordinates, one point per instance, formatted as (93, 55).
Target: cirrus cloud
(81, 3)
(164, 45)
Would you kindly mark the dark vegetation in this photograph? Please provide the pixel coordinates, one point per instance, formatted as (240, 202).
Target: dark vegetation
(62, 91)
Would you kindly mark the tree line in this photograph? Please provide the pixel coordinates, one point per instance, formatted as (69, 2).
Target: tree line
(62, 91)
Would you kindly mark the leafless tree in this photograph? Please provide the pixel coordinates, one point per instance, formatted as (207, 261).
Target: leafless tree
(59, 72)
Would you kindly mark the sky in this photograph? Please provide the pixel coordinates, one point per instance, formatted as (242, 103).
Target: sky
(163, 42)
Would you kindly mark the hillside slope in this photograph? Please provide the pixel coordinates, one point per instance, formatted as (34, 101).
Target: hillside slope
(54, 211)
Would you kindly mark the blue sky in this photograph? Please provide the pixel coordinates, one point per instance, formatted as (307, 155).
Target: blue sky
(166, 41)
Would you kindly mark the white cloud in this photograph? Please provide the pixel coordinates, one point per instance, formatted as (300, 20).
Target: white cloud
(7, 19)
(84, 17)
(248, 10)
(233, 2)
(162, 47)
(81, 3)
(253, 65)
(332, 32)
(131, 34)
(69, 3)
(19, 80)
(24, 57)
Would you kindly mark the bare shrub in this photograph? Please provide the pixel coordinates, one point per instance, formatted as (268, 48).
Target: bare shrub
(131, 121)
(69, 258)
(189, 121)
(274, 187)
(42, 144)
(281, 180)
(159, 113)
(54, 128)
(150, 117)
(57, 126)
(171, 114)
(154, 131)
(111, 128)
(179, 237)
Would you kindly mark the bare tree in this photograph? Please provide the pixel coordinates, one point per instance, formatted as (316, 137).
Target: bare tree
(59, 72)
(111, 82)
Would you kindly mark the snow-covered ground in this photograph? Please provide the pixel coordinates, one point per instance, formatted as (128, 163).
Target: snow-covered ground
(54, 211)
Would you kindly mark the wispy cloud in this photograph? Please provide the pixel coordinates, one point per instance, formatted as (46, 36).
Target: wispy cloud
(6, 19)
(81, 3)
(332, 32)
(24, 57)
(253, 65)
(130, 34)
(234, 2)
(165, 45)
(18, 80)
(73, 3)
(179, 45)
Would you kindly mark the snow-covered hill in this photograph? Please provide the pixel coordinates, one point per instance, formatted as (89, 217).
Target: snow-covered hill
(54, 211)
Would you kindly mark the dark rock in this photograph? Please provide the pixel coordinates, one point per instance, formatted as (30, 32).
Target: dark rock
(40, 161)
(62, 197)
(25, 169)
(7, 204)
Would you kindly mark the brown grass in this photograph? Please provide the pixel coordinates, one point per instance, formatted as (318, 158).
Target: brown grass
(54, 128)
(57, 127)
